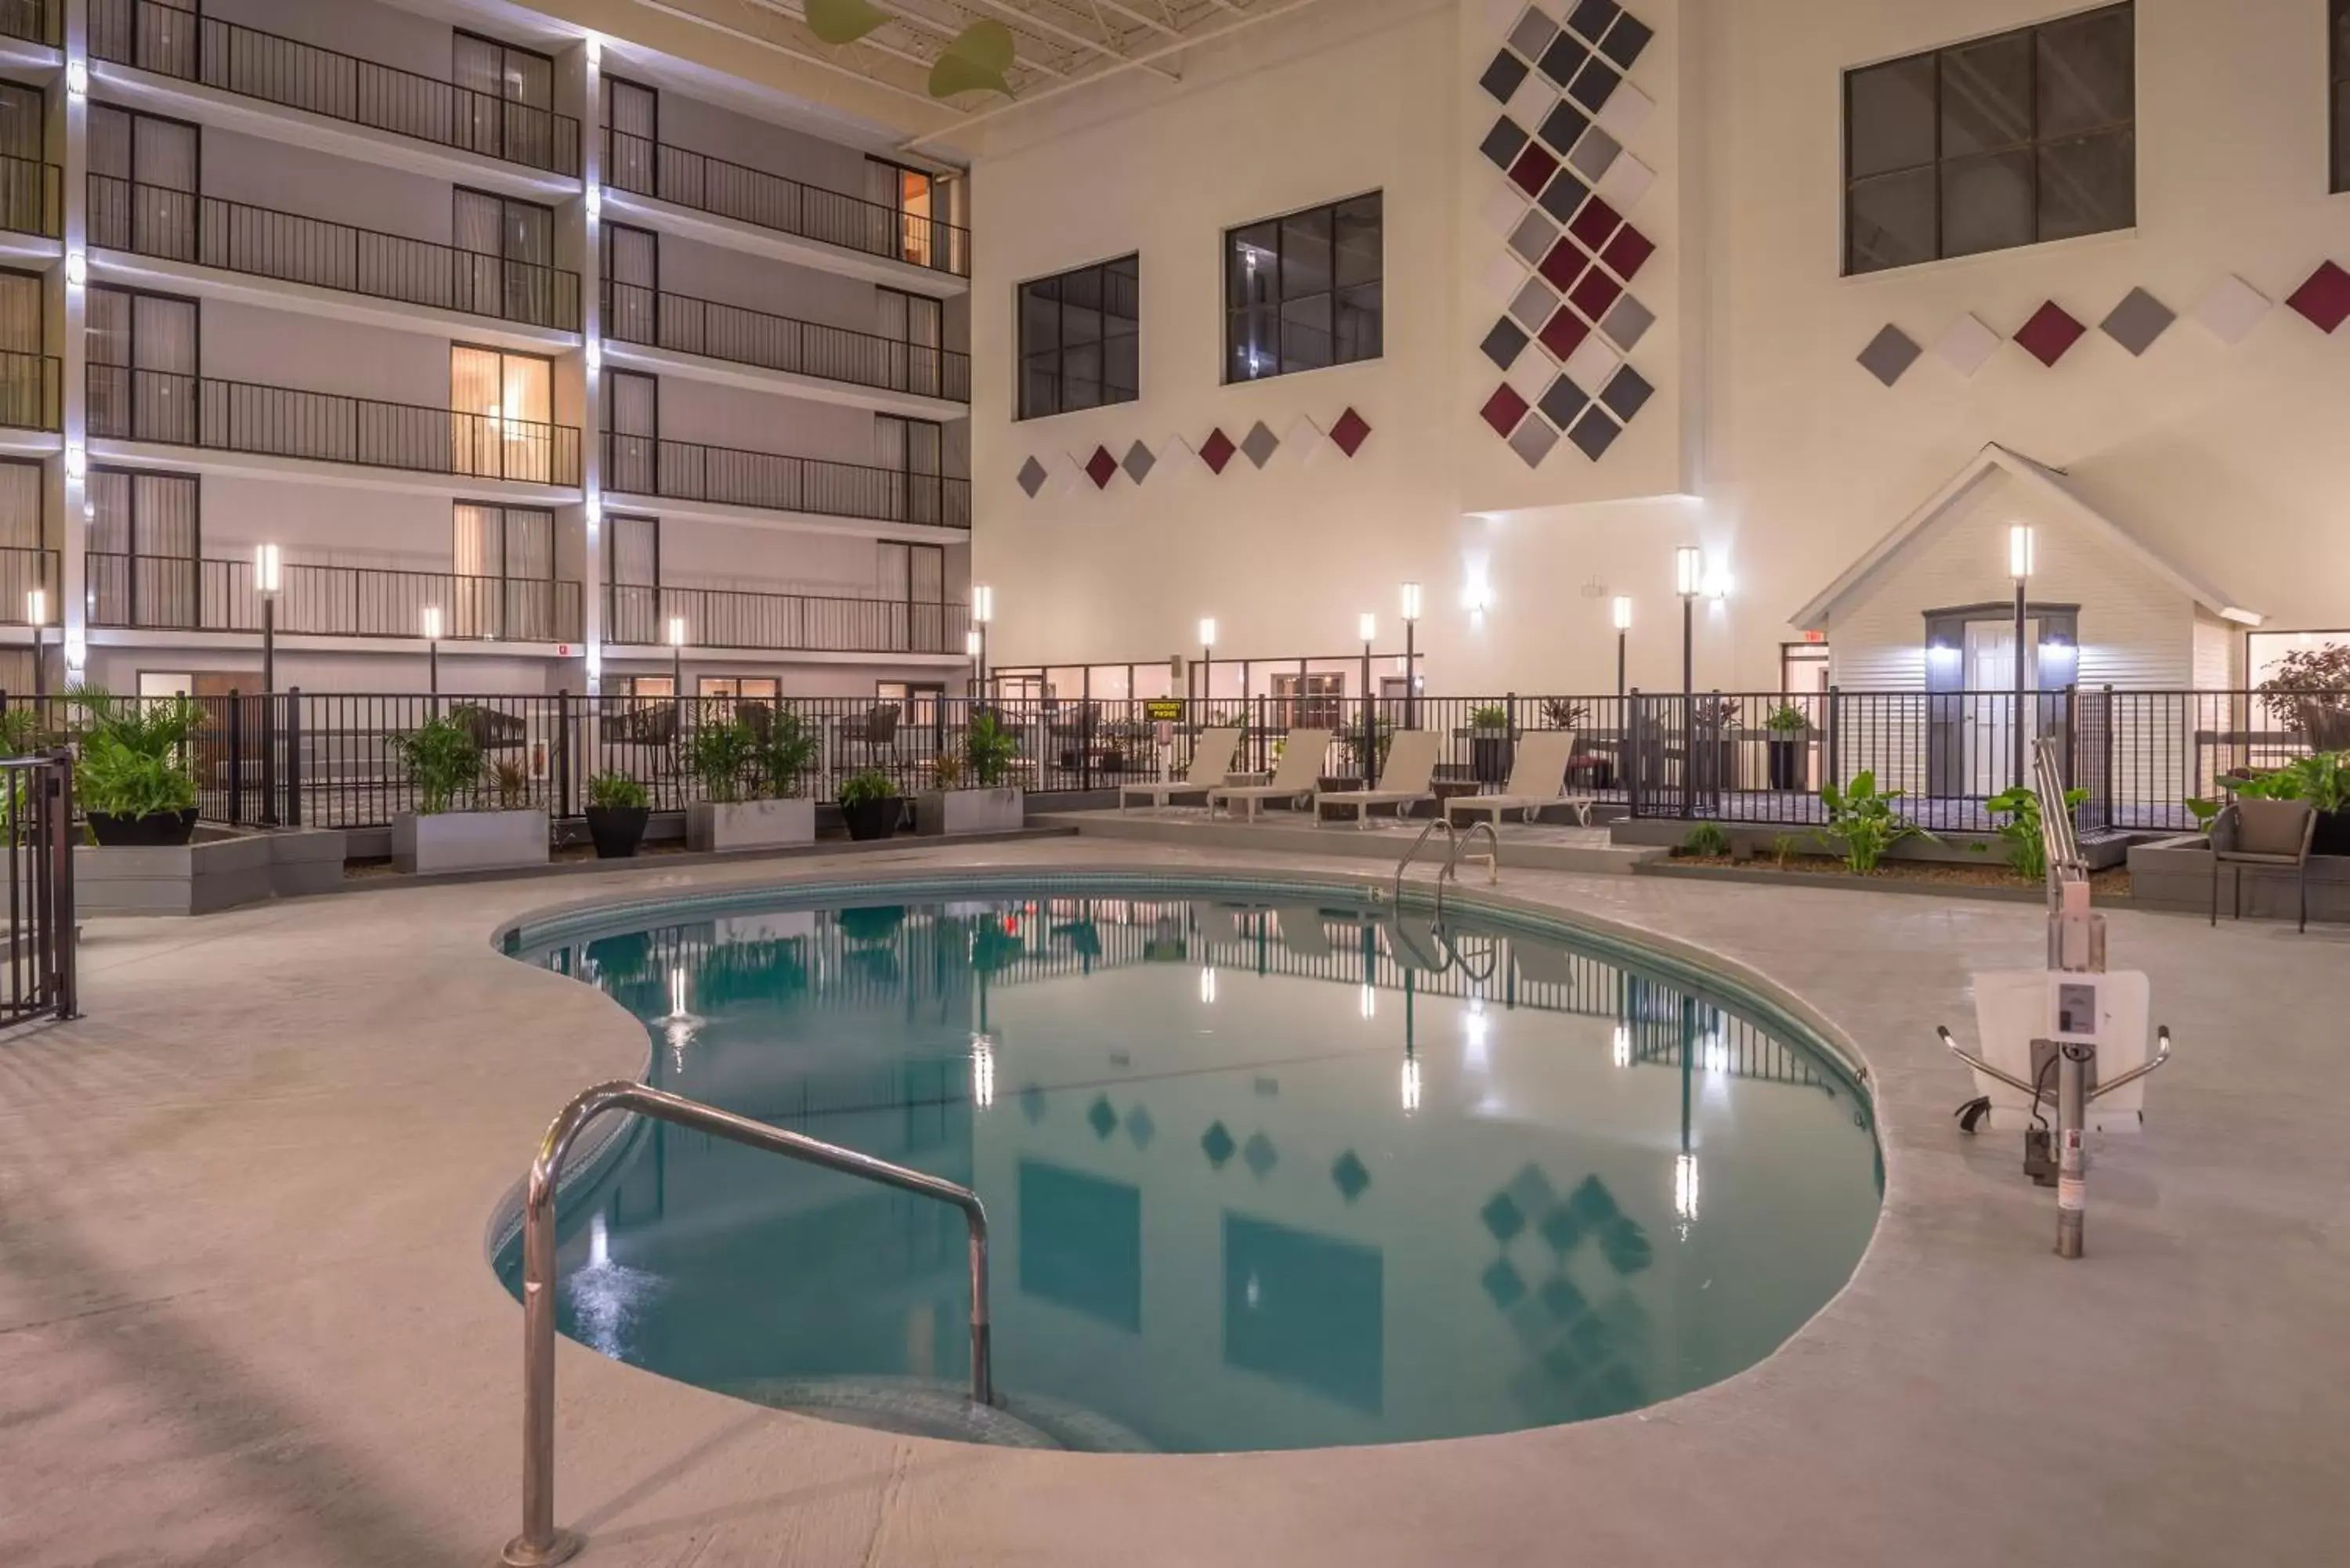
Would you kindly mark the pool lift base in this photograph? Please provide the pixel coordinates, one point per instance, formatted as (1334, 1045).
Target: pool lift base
(2081, 1006)
(521, 1554)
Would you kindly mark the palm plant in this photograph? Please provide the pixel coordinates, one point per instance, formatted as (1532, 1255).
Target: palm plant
(988, 748)
(786, 754)
(443, 760)
(134, 758)
(721, 754)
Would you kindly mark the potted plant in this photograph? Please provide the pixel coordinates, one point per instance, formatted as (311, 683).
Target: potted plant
(753, 783)
(1712, 750)
(451, 829)
(1790, 728)
(131, 777)
(1490, 748)
(2324, 780)
(870, 804)
(972, 795)
(617, 809)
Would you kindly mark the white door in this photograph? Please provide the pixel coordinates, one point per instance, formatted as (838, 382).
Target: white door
(1990, 704)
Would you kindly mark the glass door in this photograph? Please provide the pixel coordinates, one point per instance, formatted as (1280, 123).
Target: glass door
(632, 566)
(632, 413)
(631, 284)
(502, 414)
(634, 115)
(912, 453)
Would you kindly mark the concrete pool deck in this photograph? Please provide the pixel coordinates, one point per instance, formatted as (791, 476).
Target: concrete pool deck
(245, 1318)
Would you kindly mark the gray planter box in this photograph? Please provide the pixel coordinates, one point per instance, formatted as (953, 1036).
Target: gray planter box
(468, 841)
(2176, 874)
(217, 870)
(749, 824)
(969, 811)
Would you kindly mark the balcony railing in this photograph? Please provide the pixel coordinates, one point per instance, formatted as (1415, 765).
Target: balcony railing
(181, 225)
(23, 569)
(174, 41)
(634, 314)
(688, 471)
(799, 623)
(183, 594)
(35, 21)
(643, 167)
(173, 409)
(29, 396)
(32, 197)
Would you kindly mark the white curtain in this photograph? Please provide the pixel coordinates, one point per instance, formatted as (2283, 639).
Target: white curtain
(20, 506)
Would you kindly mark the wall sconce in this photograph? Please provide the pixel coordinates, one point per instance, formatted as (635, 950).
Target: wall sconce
(77, 79)
(594, 204)
(77, 267)
(77, 461)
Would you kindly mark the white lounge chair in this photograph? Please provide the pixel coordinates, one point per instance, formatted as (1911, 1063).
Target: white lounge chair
(1536, 780)
(1293, 778)
(1405, 782)
(1212, 759)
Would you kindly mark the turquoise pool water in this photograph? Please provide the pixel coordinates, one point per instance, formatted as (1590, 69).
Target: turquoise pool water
(1264, 1170)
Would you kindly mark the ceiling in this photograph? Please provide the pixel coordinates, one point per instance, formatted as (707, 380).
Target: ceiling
(1058, 45)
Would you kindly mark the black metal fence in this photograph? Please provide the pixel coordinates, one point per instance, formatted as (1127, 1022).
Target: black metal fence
(30, 397)
(638, 614)
(37, 840)
(685, 325)
(173, 409)
(234, 237)
(688, 470)
(642, 167)
(181, 593)
(173, 40)
(1762, 757)
(32, 196)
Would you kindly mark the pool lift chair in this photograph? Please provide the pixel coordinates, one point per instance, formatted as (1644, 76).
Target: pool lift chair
(2061, 1025)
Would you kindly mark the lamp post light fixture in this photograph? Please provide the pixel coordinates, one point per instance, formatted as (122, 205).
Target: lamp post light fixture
(1622, 617)
(983, 615)
(974, 646)
(1207, 658)
(1410, 597)
(1367, 625)
(268, 573)
(433, 629)
(676, 639)
(37, 616)
(2019, 566)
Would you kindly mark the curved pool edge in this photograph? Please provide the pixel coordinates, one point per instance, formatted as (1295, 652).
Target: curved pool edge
(1691, 963)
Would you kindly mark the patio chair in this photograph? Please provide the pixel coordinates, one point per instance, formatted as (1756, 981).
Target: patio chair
(2261, 832)
(1212, 759)
(1406, 781)
(1303, 931)
(876, 734)
(1300, 771)
(1536, 780)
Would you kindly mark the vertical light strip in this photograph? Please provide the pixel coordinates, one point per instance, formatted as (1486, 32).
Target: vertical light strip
(584, 60)
(72, 492)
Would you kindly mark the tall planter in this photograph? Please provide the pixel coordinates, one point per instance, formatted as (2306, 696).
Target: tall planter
(715, 827)
(157, 829)
(1786, 759)
(1491, 754)
(951, 811)
(870, 819)
(2333, 834)
(468, 841)
(617, 830)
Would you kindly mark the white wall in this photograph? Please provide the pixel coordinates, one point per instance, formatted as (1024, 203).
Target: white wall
(1767, 445)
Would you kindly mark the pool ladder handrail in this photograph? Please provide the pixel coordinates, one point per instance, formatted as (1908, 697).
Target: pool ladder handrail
(1492, 858)
(540, 1542)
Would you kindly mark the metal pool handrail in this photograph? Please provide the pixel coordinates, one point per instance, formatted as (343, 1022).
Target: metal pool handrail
(540, 1542)
(1451, 869)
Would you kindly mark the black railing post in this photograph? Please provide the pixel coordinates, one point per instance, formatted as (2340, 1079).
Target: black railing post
(294, 756)
(58, 787)
(1632, 762)
(563, 752)
(2112, 789)
(1836, 739)
(235, 759)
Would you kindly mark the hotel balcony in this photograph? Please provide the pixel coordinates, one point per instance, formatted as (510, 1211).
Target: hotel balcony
(22, 569)
(195, 230)
(161, 593)
(29, 396)
(166, 409)
(676, 189)
(806, 359)
(639, 615)
(32, 202)
(171, 41)
(41, 22)
(724, 477)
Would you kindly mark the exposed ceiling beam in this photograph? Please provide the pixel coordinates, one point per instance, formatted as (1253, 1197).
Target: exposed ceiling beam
(1041, 24)
(910, 19)
(1161, 28)
(806, 57)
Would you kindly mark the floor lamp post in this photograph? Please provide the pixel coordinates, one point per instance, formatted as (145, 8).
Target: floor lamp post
(432, 655)
(1689, 578)
(36, 615)
(983, 615)
(269, 566)
(1411, 656)
(974, 644)
(2019, 566)
(1207, 663)
(1367, 625)
(1623, 618)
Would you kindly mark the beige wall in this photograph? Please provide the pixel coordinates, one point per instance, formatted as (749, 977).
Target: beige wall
(1767, 445)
